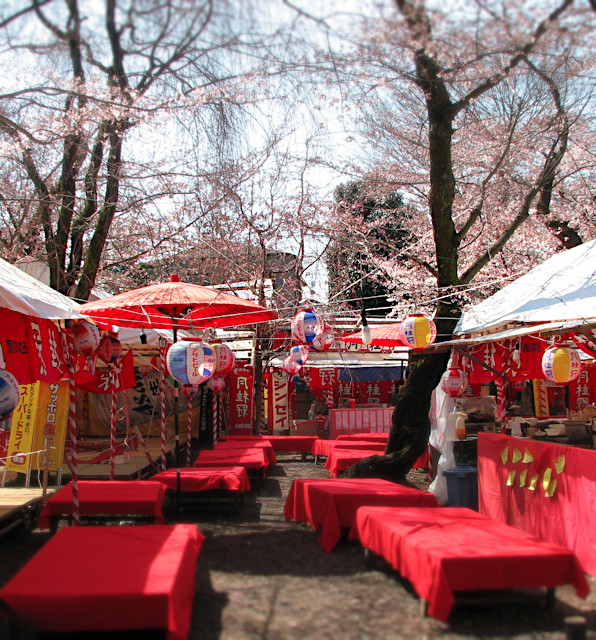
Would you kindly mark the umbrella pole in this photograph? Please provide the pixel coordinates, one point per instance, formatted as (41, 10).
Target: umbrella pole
(176, 432)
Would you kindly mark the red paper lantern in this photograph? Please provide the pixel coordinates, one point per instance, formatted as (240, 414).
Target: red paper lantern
(86, 337)
(454, 382)
(216, 383)
(110, 349)
(224, 358)
(290, 366)
(189, 391)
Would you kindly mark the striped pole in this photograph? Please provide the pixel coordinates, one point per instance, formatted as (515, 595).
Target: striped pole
(500, 384)
(163, 372)
(113, 424)
(215, 416)
(189, 429)
(72, 426)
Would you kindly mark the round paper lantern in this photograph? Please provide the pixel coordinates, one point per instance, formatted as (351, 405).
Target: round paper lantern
(299, 354)
(224, 358)
(417, 332)
(10, 393)
(323, 341)
(454, 382)
(86, 337)
(191, 362)
(110, 349)
(216, 383)
(290, 366)
(306, 325)
(189, 390)
(561, 364)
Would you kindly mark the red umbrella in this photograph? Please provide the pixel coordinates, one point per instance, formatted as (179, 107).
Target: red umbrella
(176, 305)
(385, 335)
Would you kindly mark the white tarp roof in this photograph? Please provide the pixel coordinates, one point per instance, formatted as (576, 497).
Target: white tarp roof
(562, 288)
(23, 293)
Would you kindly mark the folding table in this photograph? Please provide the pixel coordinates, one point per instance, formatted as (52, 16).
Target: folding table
(107, 579)
(446, 550)
(330, 505)
(106, 500)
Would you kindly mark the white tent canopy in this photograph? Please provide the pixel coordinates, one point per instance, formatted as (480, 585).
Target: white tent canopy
(562, 288)
(23, 293)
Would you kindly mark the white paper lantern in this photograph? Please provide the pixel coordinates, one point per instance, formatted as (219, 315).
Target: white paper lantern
(417, 332)
(454, 382)
(306, 325)
(299, 354)
(324, 340)
(86, 337)
(10, 392)
(561, 364)
(224, 358)
(290, 366)
(191, 362)
(216, 383)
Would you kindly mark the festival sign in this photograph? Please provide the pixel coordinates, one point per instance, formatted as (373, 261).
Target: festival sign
(280, 387)
(240, 401)
(21, 432)
(50, 425)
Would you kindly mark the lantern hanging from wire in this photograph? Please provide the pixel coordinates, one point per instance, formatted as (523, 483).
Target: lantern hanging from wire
(191, 362)
(454, 382)
(10, 392)
(290, 366)
(323, 341)
(224, 358)
(299, 354)
(86, 338)
(306, 325)
(110, 349)
(216, 383)
(417, 332)
(561, 364)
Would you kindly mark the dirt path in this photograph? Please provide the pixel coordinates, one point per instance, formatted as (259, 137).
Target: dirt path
(261, 578)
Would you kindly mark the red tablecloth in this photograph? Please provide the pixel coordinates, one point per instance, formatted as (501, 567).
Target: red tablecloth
(339, 460)
(247, 444)
(448, 549)
(324, 447)
(107, 498)
(108, 578)
(329, 505)
(374, 437)
(205, 479)
(282, 443)
(546, 489)
(249, 458)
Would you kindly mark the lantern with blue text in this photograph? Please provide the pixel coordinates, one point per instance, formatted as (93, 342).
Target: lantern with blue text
(417, 332)
(110, 349)
(454, 382)
(191, 362)
(216, 383)
(323, 341)
(224, 358)
(561, 364)
(299, 354)
(10, 393)
(86, 337)
(306, 325)
(290, 366)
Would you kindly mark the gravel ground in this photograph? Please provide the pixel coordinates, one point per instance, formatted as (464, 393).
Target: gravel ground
(259, 577)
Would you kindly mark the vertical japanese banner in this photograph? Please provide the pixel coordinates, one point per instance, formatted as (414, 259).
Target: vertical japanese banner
(50, 425)
(21, 433)
(240, 401)
(279, 400)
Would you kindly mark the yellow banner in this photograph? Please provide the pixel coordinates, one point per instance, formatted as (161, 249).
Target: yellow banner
(50, 425)
(21, 430)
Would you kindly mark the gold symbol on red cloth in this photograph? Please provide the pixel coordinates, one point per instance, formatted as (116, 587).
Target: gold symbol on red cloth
(528, 457)
(522, 478)
(533, 483)
(559, 464)
(505, 455)
(546, 478)
(550, 490)
(511, 478)
(517, 455)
